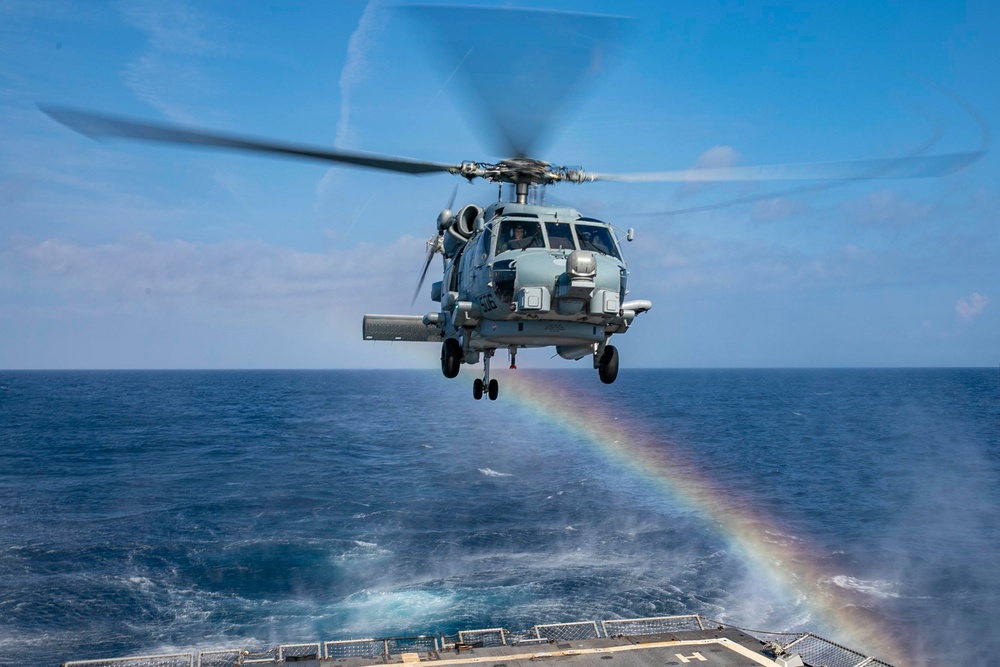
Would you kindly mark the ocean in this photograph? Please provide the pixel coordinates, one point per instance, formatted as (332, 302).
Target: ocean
(159, 511)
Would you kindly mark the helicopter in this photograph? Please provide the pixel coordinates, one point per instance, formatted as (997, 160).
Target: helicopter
(517, 273)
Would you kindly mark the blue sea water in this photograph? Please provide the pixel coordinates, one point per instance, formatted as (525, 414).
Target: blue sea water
(153, 511)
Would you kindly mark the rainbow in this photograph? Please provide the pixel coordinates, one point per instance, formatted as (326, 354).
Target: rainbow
(784, 565)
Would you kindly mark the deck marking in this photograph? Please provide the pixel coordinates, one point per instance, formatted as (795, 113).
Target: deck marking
(689, 658)
(719, 641)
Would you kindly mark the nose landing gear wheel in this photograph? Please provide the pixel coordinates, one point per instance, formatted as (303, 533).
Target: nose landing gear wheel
(494, 390)
(477, 389)
(608, 368)
(451, 357)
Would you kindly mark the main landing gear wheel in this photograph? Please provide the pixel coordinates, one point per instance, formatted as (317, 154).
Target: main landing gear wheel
(485, 385)
(608, 368)
(451, 357)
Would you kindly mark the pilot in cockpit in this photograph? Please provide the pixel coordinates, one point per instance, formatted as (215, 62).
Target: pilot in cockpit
(517, 235)
(518, 238)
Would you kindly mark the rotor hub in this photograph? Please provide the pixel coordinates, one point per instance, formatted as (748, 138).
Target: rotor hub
(521, 171)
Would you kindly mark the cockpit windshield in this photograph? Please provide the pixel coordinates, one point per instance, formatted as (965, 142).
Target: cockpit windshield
(518, 235)
(560, 235)
(596, 238)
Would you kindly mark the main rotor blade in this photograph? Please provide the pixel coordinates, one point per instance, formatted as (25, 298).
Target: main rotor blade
(920, 166)
(521, 69)
(100, 126)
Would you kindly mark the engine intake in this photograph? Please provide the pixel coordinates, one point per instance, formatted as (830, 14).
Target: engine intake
(461, 229)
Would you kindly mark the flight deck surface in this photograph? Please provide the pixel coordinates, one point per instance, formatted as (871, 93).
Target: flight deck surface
(728, 648)
(669, 641)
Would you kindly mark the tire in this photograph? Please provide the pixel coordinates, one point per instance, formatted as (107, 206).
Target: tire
(451, 357)
(494, 390)
(477, 389)
(608, 368)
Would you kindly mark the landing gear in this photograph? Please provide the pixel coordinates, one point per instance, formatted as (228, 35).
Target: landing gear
(607, 368)
(451, 357)
(490, 387)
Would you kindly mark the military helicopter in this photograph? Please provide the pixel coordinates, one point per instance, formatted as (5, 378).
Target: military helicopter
(518, 273)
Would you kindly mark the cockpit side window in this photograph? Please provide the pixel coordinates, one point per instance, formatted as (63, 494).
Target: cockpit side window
(487, 240)
(597, 238)
(518, 235)
(560, 235)
(483, 243)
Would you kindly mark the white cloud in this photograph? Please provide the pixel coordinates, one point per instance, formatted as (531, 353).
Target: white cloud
(718, 157)
(971, 307)
(147, 303)
(886, 206)
(224, 275)
(778, 208)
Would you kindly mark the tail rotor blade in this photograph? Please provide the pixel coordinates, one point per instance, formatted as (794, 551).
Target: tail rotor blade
(432, 247)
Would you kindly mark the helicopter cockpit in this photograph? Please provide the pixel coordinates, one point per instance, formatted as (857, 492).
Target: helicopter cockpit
(596, 238)
(519, 235)
(592, 235)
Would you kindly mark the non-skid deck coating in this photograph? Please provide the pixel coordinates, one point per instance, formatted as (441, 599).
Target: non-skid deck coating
(709, 648)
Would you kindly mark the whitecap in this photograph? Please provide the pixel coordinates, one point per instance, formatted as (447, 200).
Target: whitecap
(876, 588)
(489, 472)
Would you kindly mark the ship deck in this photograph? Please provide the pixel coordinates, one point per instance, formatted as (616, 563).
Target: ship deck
(647, 642)
(727, 648)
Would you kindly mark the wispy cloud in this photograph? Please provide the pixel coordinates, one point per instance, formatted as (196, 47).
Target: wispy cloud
(778, 208)
(226, 274)
(355, 70)
(970, 307)
(717, 157)
(356, 66)
(689, 260)
(886, 207)
(149, 303)
(178, 36)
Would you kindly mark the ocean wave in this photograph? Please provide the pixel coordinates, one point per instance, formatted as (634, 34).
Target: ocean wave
(875, 588)
(489, 472)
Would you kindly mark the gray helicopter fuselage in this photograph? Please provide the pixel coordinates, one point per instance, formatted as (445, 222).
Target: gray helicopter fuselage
(520, 275)
(533, 276)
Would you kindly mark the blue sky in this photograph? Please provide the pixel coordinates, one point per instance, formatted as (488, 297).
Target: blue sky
(122, 255)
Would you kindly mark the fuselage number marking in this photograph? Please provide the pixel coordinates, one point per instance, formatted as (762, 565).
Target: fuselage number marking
(487, 303)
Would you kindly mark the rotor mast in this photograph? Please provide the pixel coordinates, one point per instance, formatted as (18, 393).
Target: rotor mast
(521, 192)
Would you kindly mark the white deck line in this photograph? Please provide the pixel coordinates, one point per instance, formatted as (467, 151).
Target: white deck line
(722, 641)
